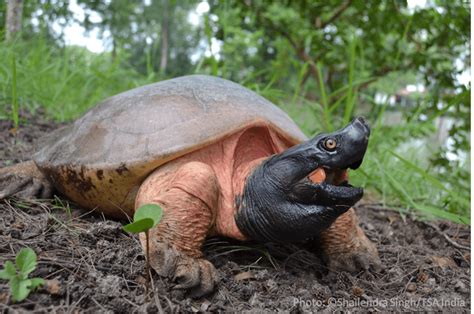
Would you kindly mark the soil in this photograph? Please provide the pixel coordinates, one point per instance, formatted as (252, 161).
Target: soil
(91, 265)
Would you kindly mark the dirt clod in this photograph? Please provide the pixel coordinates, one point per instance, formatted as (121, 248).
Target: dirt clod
(357, 291)
(53, 286)
(443, 261)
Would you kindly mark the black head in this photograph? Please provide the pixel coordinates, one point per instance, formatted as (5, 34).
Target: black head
(342, 149)
(282, 202)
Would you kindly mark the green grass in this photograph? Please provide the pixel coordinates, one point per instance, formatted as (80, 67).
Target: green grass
(66, 82)
(15, 109)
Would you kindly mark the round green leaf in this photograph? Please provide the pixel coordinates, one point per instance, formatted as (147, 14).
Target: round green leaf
(151, 211)
(19, 289)
(138, 226)
(8, 272)
(26, 260)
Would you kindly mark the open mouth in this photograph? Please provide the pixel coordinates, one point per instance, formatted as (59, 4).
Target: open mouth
(335, 176)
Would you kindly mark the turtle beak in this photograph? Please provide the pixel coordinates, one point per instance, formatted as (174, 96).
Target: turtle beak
(332, 171)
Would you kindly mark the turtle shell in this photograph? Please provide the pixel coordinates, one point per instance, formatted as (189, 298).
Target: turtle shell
(116, 144)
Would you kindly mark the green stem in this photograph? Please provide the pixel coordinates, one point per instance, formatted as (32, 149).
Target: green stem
(147, 264)
(15, 113)
(324, 100)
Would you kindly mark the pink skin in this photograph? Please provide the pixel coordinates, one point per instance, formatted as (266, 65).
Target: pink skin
(226, 164)
(197, 193)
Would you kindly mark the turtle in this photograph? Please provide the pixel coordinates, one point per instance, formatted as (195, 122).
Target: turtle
(220, 160)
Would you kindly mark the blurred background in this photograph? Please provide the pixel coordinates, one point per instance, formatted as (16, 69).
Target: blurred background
(404, 65)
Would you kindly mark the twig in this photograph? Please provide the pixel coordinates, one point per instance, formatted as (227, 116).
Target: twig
(335, 15)
(301, 53)
(131, 303)
(98, 304)
(451, 241)
(170, 304)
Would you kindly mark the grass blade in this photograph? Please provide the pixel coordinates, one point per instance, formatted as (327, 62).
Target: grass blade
(431, 179)
(324, 100)
(350, 92)
(15, 113)
(429, 209)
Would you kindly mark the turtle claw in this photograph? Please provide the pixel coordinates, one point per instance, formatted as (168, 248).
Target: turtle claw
(196, 275)
(187, 274)
(354, 261)
(361, 256)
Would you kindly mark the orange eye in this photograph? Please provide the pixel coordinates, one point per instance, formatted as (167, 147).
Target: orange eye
(330, 144)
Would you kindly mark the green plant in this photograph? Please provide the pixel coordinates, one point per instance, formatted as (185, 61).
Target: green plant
(20, 284)
(14, 95)
(62, 82)
(145, 218)
(59, 204)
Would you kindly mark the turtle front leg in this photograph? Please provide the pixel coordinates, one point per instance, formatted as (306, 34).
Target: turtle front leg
(24, 180)
(188, 198)
(346, 247)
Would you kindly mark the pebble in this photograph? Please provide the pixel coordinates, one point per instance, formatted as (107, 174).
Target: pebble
(411, 287)
(460, 287)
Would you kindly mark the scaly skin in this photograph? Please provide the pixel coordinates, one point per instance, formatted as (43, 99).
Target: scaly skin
(24, 180)
(346, 247)
(189, 213)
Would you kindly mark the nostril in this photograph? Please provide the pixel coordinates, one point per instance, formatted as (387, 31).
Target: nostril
(361, 120)
(361, 123)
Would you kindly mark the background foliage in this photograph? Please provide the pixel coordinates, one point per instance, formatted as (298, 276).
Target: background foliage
(321, 61)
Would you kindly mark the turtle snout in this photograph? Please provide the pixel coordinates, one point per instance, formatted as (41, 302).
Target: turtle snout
(361, 125)
(356, 134)
(354, 142)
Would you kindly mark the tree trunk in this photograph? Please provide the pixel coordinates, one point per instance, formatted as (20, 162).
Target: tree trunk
(13, 21)
(164, 37)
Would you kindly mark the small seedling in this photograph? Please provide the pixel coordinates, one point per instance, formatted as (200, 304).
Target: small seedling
(20, 284)
(145, 218)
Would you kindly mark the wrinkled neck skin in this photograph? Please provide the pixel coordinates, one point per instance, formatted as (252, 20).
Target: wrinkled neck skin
(276, 207)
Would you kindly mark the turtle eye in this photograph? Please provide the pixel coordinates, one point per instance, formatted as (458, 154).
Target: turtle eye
(330, 144)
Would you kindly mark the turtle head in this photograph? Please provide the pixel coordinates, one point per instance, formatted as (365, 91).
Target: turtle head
(333, 154)
(300, 192)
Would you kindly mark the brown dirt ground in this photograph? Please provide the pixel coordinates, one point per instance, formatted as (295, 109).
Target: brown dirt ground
(93, 266)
